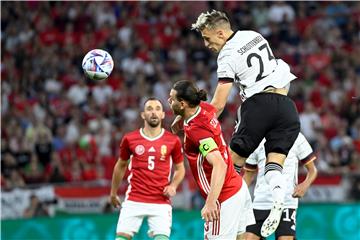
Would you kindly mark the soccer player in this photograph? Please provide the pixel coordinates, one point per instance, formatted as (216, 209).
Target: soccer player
(228, 209)
(246, 60)
(152, 151)
(300, 151)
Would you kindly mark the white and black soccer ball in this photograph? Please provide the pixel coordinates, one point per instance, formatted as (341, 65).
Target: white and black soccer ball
(97, 64)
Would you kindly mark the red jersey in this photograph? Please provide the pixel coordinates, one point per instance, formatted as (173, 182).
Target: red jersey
(150, 165)
(204, 125)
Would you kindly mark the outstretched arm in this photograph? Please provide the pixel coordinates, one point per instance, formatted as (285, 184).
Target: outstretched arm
(221, 95)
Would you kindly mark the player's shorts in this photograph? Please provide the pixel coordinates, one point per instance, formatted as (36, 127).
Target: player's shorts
(132, 214)
(287, 225)
(235, 214)
(270, 115)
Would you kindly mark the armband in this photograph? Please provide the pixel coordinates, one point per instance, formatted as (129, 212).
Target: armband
(207, 145)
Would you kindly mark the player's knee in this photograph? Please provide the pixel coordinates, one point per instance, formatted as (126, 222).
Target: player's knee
(243, 147)
(161, 237)
(123, 236)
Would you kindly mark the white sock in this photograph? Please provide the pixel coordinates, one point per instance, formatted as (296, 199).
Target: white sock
(276, 181)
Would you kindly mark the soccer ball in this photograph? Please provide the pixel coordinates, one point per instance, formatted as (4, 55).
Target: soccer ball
(97, 64)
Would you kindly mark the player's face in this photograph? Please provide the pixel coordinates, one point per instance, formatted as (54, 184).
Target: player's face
(213, 39)
(175, 105)
(153, 113)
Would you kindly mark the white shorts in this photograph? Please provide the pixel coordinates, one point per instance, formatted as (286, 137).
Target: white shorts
(132, 214)
(235, 214)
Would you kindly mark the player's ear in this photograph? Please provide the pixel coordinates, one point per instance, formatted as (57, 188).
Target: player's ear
(162, 115)
(220, 33)
(142, 115)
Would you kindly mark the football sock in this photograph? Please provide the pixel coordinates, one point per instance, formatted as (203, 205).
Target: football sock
(237, 168)
(276, 181)
(161, 237)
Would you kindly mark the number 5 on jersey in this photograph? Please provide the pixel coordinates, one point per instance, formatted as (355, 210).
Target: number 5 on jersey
(151, 162)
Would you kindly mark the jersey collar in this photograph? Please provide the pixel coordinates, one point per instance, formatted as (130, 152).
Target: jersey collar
(186, 121)
(149, 138)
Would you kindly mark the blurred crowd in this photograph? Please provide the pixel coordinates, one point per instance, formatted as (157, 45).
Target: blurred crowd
(58, 126)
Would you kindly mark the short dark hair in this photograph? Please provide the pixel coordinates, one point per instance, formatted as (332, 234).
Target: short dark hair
(152, 99)
(187, 91)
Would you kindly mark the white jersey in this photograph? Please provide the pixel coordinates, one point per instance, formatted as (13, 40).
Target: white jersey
(248, 61)
(300, 151)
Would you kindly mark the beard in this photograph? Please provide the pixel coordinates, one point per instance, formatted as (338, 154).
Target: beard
(177, 110)
(153, 122)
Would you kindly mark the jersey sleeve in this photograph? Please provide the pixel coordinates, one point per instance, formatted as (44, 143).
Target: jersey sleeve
(177, 153)
(208, 107)
(205, 140)
(304, 151)
(125, 152)
(225, 71)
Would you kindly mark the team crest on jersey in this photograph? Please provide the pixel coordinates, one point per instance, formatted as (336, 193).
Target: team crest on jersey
(139, 149)
(163, 152)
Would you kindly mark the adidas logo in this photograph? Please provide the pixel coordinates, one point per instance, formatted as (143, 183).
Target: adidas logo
(152, 149)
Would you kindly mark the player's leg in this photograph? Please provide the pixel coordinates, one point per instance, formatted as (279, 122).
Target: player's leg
(286, 238)
(253, 231)
(287, 226)
(235, 214)
(123, 236)
(130, 219)
(252, 126)
(247, 217)
(279, 140)
(160, 221)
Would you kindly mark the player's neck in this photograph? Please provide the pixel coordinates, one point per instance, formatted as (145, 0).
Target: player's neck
(228, 34)
(151, 132)
(190, 112)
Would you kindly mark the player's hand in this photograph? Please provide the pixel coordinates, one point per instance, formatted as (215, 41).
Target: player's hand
(115, 201)
(210, 212)
(169, 191)
(176, 125)
(300, 190)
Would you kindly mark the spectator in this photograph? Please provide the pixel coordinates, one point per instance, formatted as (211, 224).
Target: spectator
(44, 91)
(36, 208)
(34, 171)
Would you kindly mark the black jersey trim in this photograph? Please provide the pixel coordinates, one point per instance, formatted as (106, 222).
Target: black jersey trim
(226, 80)
(232, 35)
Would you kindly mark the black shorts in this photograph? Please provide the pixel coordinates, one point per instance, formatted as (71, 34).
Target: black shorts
(270, 115)
(287, 225)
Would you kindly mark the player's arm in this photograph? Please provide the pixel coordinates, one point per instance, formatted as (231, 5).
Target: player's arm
(118, 174)
(209, 150)
(179, 174)
(217, 175)
(301, 188)
(221, 95)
